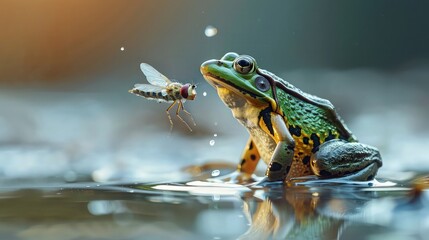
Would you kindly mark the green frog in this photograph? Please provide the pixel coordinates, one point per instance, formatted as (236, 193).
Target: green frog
(295, 133)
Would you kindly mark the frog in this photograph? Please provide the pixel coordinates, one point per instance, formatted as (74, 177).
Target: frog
(296, 134)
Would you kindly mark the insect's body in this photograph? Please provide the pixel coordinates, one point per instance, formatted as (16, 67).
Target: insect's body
(162, 89)
(173, 92)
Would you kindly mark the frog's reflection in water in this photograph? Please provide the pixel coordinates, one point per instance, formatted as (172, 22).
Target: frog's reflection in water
(299, 213)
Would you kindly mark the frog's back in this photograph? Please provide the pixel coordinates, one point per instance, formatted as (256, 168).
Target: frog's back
(310, 113)
(311, 121)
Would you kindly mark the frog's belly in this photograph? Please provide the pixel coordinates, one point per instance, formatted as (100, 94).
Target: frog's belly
(263, 142)
(248, 115)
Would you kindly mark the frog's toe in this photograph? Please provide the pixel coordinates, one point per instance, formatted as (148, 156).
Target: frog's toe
(366, 174)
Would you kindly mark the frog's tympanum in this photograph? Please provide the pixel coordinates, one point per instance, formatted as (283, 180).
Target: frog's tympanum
(295, 133)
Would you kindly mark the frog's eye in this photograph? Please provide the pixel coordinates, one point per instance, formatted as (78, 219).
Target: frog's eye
(262, 84)
(244, 64)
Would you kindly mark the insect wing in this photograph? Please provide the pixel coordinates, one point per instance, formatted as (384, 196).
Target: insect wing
(153, 76)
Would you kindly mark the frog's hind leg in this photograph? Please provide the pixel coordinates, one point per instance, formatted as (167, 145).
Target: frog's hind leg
(249, 158)
(246, 167)
(346, 160)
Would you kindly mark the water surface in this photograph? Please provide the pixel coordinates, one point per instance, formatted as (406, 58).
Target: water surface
(204, 210)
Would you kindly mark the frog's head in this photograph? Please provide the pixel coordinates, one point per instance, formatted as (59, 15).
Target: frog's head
(239, 74)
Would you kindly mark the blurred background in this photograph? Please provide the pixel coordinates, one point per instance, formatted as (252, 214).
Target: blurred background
(66, 68)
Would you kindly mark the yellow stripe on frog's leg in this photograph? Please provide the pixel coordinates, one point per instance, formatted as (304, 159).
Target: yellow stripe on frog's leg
(249, 158)
(281, 160)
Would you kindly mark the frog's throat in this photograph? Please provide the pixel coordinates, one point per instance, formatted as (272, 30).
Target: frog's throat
(256, 100)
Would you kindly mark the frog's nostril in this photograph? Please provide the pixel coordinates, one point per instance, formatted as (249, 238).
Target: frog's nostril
(207, 65)
(219, 63)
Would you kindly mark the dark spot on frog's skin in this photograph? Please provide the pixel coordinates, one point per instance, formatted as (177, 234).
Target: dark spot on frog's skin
(300, 153)
(305, 140)
(306, 160)
(160, 94)
(295, 130)
(290, 146)
(251, 146)
(275, 166)
(316, 142)
(370, 177)
(308, 110)
(243, 162)
(266, 117)
(324, 173)
(253, 157)
(329, 137)
(301, 105)
(315, 149)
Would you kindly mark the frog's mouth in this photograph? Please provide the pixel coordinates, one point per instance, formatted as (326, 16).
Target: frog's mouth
(218, 82)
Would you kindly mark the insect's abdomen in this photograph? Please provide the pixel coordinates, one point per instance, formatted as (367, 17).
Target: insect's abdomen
(154, 95)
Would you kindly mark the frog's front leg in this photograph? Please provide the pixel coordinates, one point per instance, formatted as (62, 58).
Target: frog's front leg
(346, 160)
(281, 159)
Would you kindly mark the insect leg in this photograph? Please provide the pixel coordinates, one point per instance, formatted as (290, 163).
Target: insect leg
(189, 114)
(181, 119)
(168, 114)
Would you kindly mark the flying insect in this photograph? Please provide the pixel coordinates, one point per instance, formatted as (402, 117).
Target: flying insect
(163, 89)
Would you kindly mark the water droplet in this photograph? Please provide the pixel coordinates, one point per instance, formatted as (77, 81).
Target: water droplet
(315, 194)
(204, 94)
(215, 173)
(122, 48)
(212, 142)
(210, 31)
(215, 135)
(216, 197)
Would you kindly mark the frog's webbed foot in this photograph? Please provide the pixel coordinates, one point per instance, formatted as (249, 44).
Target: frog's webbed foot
(346, 160)
(236, 177)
